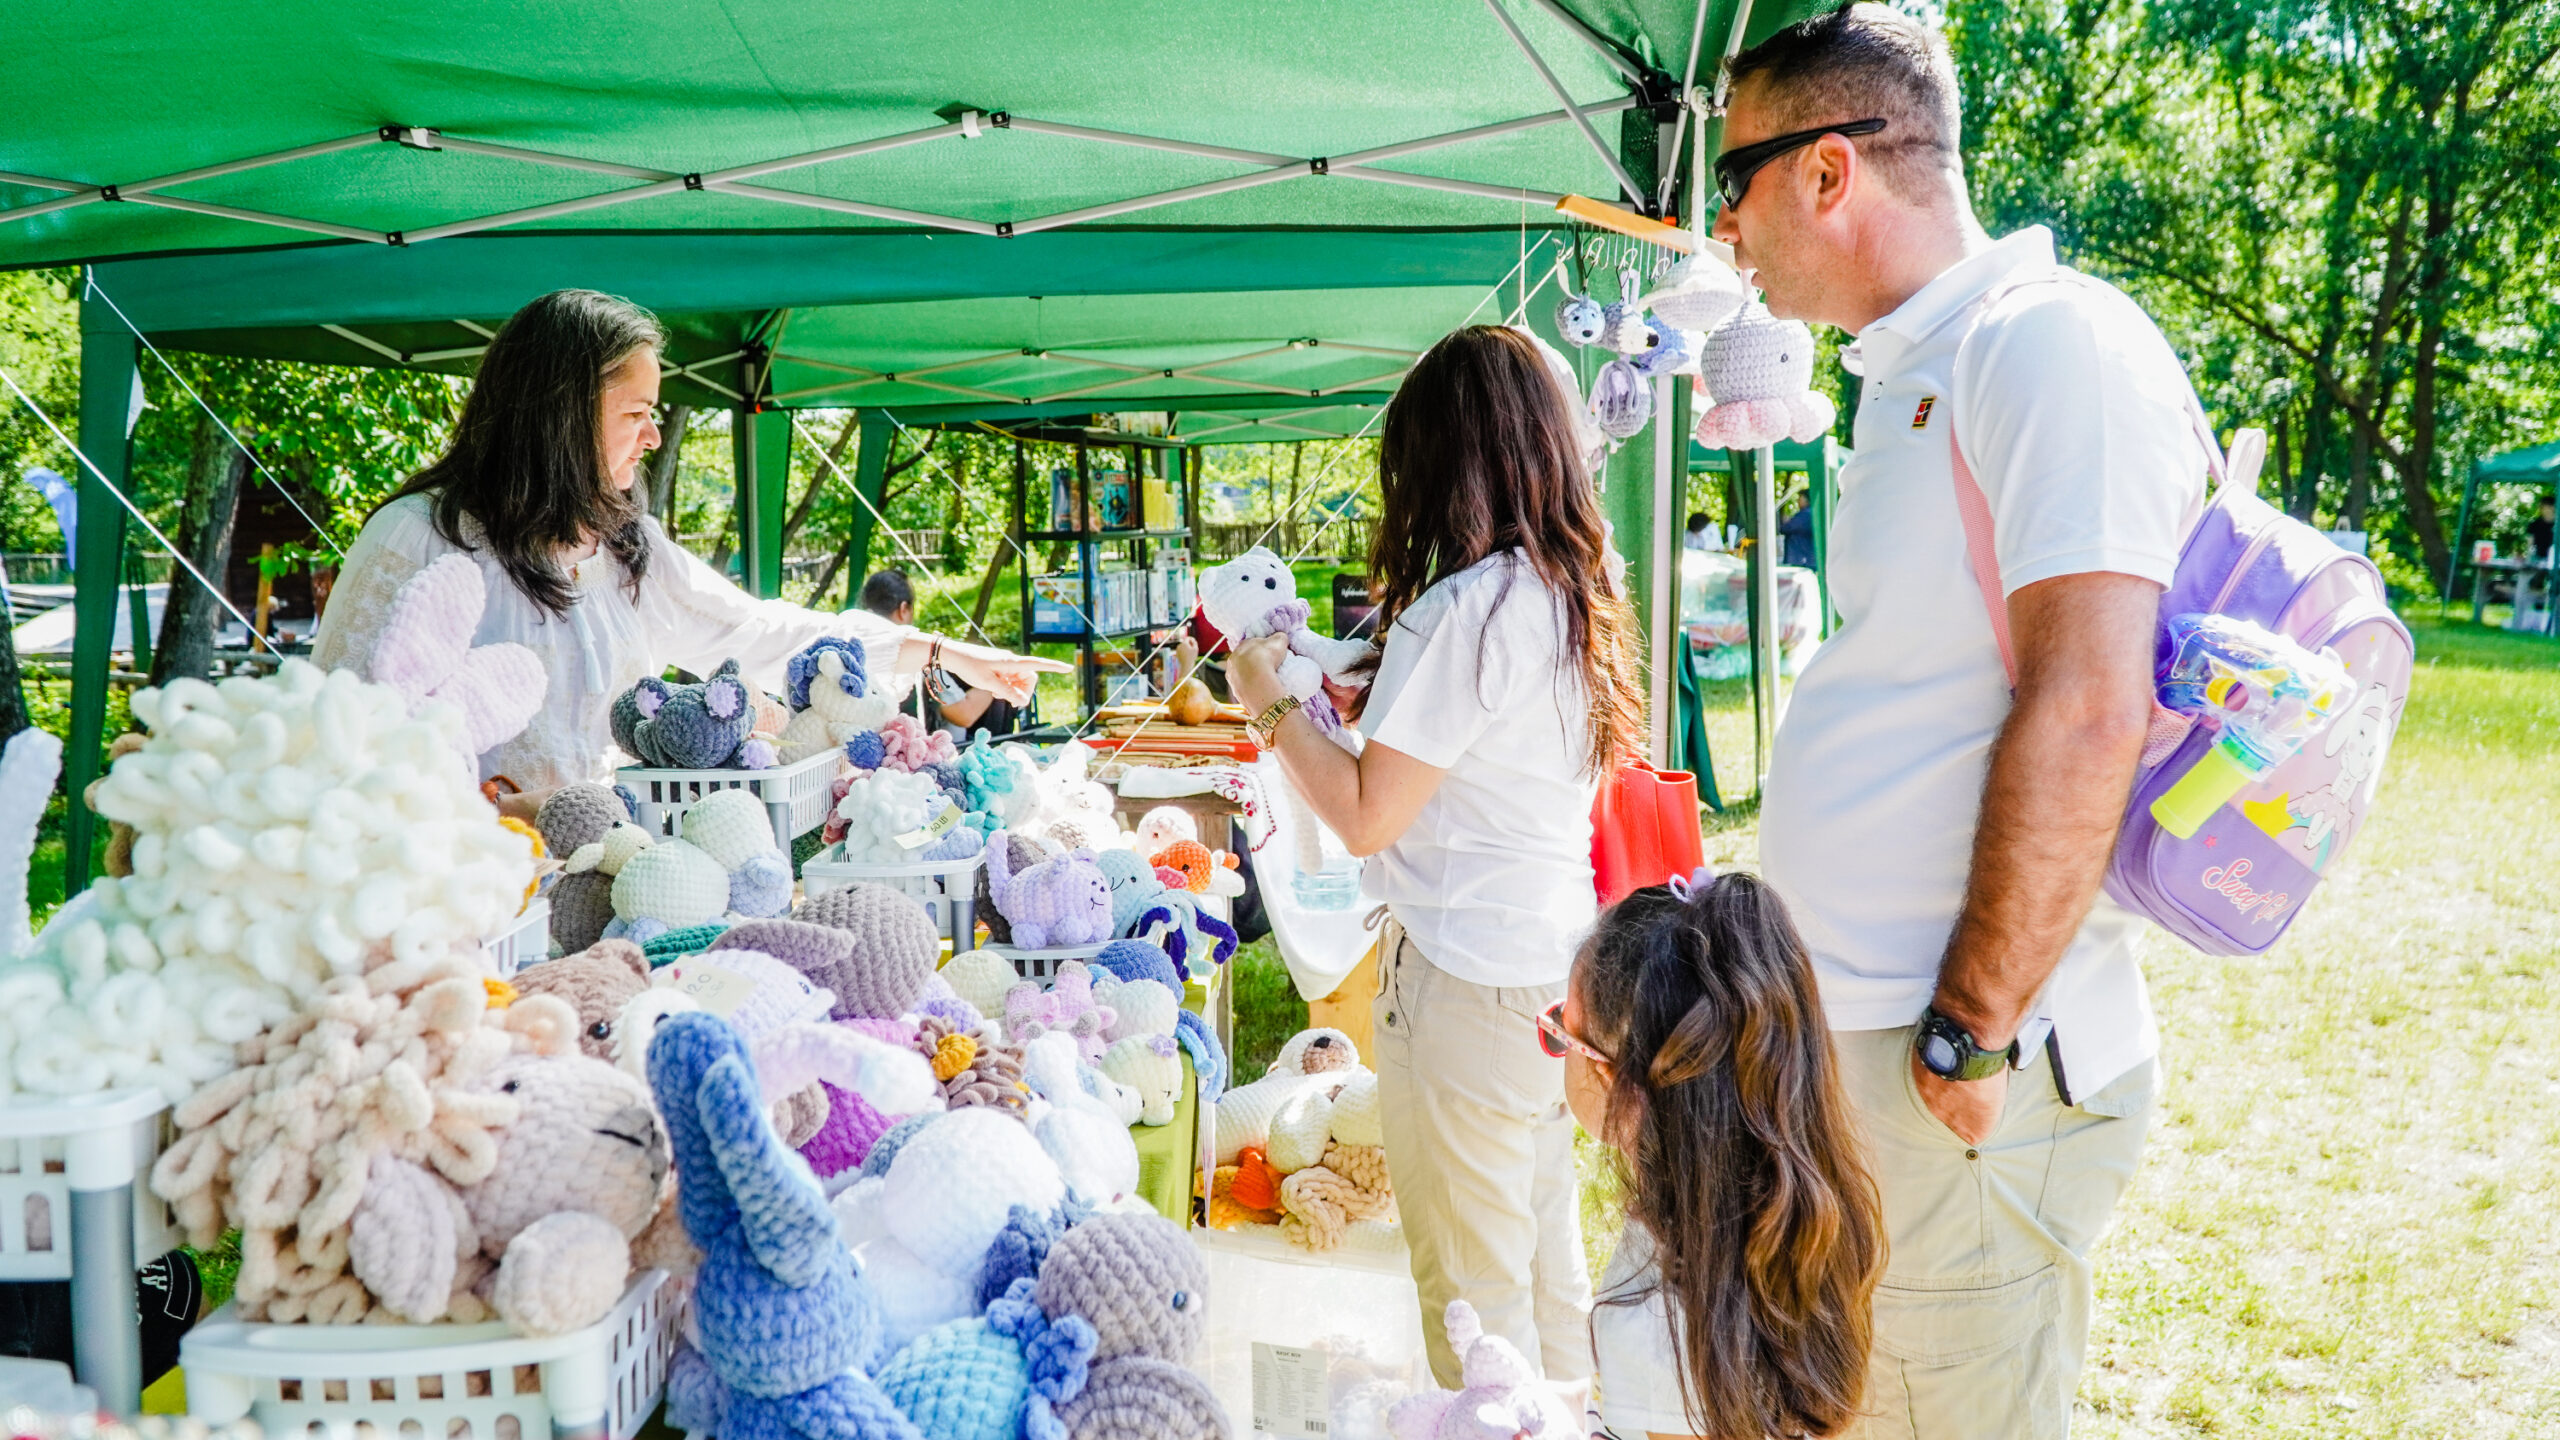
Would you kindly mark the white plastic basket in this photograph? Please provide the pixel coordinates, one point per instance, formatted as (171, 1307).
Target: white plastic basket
(526, 940)
(1042, 965)
(796, 795)
(947, 889)
(437, 1382)
(47, 1147)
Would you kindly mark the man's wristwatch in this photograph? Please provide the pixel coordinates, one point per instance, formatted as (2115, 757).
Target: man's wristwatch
(1948, 1050)
(1265, 728)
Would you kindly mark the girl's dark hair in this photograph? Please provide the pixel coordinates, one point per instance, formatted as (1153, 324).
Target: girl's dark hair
(527, 457)
(1737, 1152)
(1478, 457)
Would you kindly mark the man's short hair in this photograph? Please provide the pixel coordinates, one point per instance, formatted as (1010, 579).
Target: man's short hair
(885, 591)
(1699, 520)
(1860, 62)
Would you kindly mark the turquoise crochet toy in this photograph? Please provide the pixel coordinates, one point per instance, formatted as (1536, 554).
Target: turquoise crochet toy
(787, 1326)
(1141, 901)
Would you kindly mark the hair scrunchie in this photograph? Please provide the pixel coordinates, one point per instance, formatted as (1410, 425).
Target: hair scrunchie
(1056, 1354)
(1689, 888)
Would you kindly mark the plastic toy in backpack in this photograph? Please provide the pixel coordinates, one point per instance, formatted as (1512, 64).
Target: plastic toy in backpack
(1097, 1347)
(1054, 904)
(425, 653)
(938, 1207)
(2266, 695)
(733, 828)
(705, 726)
(544, 1239)
(1144, 906)
(286, 830)
(1256, 594)
(782, 1315)
(1503, 1398)
(1757, 371)
(829, 687)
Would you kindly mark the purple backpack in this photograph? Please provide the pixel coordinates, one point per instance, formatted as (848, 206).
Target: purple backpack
(2234, 886)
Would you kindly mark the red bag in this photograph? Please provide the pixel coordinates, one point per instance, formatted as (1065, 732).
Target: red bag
(1644, 830)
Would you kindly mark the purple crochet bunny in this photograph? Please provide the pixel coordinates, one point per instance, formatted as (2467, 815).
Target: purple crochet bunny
(1055, 903)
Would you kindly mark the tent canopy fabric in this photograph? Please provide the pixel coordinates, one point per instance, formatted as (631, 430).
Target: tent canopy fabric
(2539, 465)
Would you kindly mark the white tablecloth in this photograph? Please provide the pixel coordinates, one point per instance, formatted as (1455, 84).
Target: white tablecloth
(1320, 947)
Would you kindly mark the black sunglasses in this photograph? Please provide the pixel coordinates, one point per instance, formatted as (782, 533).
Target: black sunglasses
(1734, 168)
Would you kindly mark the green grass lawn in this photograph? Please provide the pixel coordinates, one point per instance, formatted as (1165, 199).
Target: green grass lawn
(2348, 1223)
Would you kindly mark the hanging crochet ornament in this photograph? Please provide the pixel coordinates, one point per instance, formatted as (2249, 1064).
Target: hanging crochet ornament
(1621, 402)
(1697, 295)
(1758, 369)
(1579, 319)
(1674, 352)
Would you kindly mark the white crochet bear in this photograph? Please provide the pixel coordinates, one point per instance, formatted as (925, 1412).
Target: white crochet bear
(1311, 1059)
(1758, 369)
(841, 703)
(1256, 594)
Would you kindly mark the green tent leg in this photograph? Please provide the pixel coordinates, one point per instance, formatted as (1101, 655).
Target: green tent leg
(871, 478)
(760, 442)
(106, 397)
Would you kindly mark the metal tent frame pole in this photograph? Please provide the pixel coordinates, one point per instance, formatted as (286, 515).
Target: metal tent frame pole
(108, 354)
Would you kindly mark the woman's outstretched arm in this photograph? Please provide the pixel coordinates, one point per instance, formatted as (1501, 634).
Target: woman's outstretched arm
(1368, 799)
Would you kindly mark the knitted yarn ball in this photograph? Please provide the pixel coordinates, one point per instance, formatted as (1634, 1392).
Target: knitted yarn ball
(1053, 903)
(1621, 401)
(1139, 1007)
(1580, 319)
(1759, 371)
(1139, 960)
(673, 883)
(982, 978)
(1151, 1064)
(596, 982)
(286, 829)
(894, 947)
(1137, 1279)
(953, 1184)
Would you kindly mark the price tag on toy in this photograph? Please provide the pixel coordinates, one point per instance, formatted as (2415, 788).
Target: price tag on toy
(715, 988)
(932, 830)
(1290, 1388)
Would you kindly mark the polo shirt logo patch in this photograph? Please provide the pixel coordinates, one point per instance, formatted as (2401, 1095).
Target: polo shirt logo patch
(1920, 417)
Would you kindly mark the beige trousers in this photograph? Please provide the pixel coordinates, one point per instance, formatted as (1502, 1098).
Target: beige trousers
(1984, 1309)
(1480, 1150)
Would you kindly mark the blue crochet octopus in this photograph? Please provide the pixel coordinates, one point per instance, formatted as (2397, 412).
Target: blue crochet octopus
(788, 1327)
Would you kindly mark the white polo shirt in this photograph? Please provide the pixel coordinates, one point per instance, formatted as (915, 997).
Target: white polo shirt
(2072, 409)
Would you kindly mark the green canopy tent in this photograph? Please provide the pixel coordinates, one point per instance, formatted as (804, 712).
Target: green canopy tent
(368, 186)
(2538, 467)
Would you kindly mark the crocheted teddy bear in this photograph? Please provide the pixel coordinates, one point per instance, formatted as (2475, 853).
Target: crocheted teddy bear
(597, 982)
(707, 726)
(1503, 1399)
(1144, 906)
(1758, 369)
(785, 1322)
(1257, 594)
(828, 684)
(573, 818)
(544, 1239)
(1061, 902)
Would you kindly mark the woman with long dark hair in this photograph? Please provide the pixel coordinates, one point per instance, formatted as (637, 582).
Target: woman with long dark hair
(536, 485)
(1737, 1305)
(1507, 686)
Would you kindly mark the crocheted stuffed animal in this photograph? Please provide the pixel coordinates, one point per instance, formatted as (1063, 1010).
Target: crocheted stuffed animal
(1204, 871)
(1022, 851)
(1309, 1058)
(667, 886)
(1759, 371)
(573, 818)
(1138, 977)
(1257, 594)
(709, 726)
(1083, 1130)
(829, 686)
(287, 829)
(1144, 906)
(1697, 294)
(882, 963)
(1067, 1007)
(878, 809)
(940, 1204)
(1152, 1065)
(785, 1322)
(1054, 903)
(425, 653)
(731, 827)
(597, 982)
(1327, 1146)
(544, 1239)
(1503, 1399)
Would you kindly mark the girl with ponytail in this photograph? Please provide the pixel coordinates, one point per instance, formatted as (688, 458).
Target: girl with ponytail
(1737, 1305)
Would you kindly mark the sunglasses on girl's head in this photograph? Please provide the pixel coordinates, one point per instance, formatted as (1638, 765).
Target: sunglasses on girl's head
(1557, 1041)
(1734, 168)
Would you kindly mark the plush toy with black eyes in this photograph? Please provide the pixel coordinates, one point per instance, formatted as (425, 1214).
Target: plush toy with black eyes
(1256, 594)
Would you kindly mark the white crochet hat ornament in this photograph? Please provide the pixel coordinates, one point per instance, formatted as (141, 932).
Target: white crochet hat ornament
(1697, 294)
(1758, 369)
(287, 829)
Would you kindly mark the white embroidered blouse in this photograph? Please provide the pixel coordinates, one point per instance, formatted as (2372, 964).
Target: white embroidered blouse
(685, 614)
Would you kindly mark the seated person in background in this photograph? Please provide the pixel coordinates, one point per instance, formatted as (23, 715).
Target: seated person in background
(889, 595)
(1795, 536)
(1702, 533)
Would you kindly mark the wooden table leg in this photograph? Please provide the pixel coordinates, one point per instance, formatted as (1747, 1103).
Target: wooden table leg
(1347, 1008)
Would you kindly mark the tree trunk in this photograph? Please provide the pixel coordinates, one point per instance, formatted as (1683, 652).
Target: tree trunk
(956, 514)
(818, 475)
(2419, 467)
(13, 690)
(987, 583)
(188, 623)
(664, 464)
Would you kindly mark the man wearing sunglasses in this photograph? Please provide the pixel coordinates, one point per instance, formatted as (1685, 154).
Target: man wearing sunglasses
(1939, 834)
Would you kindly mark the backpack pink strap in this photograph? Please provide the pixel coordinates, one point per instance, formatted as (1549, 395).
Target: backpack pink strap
(1974, 508)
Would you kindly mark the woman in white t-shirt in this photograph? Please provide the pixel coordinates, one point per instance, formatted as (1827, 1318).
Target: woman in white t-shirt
(1508, 684)
(536, 487)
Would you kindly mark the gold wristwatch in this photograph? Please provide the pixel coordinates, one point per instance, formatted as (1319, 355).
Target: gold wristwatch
(1266, 726)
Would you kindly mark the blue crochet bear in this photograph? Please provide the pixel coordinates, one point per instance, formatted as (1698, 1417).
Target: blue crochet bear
(788, 1327)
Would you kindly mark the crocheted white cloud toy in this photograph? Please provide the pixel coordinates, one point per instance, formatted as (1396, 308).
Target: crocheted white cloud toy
(1758, 369)
(287, 829)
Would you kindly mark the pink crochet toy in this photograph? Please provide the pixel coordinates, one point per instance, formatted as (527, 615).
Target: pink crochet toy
(1068, 1005)
(906, 745)
(426, 654)
(1503, 1399)
(1061, 902)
